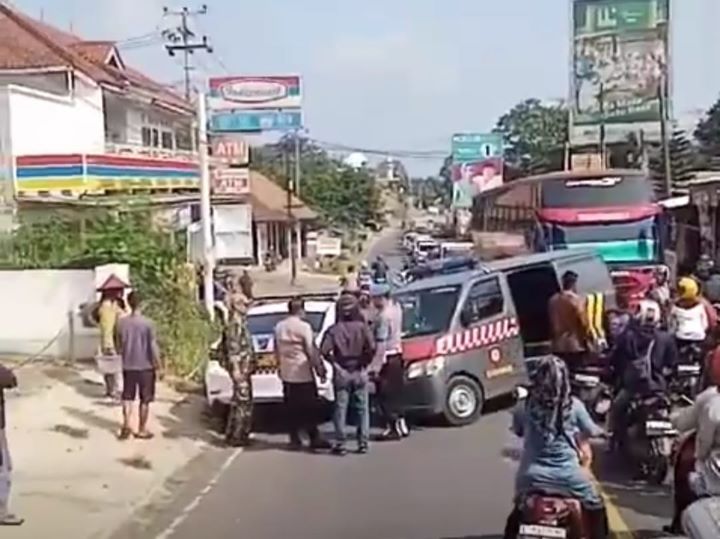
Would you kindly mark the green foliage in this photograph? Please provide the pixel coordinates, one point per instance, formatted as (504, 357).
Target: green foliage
(343, 196)
(535, 135)
(683, 162)
(157, 269)
(707, 134)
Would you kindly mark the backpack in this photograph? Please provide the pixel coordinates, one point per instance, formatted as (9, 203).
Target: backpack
(639, 370)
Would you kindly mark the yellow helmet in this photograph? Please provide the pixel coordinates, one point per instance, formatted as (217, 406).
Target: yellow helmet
(688, 288)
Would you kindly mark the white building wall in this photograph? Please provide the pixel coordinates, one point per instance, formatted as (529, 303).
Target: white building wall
(43, 123)
(37, 307)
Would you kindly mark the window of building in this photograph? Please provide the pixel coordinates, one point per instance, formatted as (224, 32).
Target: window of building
(166, 140)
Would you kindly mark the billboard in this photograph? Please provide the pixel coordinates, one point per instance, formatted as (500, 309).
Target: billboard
(245, 104)
(619, 67)
(477, 165)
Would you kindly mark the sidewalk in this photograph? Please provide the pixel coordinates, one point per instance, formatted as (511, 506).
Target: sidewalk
(277, 283)
(72, 478)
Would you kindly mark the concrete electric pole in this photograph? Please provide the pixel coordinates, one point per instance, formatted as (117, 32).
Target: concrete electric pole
(180, 40)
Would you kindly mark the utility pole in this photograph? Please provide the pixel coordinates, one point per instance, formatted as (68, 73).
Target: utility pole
(296, 224)
(180, 40)
(206, 208)
(601, 103)
(290, 217)
(664, 135)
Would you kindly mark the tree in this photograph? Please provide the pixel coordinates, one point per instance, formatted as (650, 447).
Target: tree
(344, 196)
(535, 135)
(707, 134)
(683, 162)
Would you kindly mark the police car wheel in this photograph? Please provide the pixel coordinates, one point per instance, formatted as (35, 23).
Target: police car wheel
(463, 401)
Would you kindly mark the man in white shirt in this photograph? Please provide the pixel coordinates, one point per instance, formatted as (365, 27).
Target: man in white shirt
(298, 361)
(388, 362)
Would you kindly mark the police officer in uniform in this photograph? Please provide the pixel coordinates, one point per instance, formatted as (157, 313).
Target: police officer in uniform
(239, 361)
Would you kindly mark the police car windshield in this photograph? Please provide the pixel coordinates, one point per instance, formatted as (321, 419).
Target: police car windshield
(426, 246)
(264, 324)
(428, 311)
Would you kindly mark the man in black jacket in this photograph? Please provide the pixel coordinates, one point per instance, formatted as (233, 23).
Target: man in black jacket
(350, 347)
(642, 357)
(7, 381)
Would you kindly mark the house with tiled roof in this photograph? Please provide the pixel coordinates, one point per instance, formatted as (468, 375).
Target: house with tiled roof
(78, 126)
(76, 120)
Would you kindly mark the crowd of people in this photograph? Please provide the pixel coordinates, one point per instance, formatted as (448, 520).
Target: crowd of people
(362, 347)
(645, 344)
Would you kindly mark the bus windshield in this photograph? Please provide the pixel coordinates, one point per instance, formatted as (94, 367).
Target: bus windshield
(428, 311)
(597, 192)
(616, 242)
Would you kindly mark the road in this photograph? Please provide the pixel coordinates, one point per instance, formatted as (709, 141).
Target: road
(441, 483)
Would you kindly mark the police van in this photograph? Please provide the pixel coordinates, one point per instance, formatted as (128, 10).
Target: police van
(468, 336)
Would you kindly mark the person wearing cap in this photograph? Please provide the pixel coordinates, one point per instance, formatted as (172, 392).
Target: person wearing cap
(239, 361)
(388, 362)
(570, 326)
(110, 309)
(350, 347)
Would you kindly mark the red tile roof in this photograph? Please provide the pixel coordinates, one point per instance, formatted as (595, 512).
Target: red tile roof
(26, 43)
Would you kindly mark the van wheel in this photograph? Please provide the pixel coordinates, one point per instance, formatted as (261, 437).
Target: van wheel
(463, 401)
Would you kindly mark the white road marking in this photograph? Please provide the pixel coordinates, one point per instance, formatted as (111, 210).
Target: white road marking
(190, 507)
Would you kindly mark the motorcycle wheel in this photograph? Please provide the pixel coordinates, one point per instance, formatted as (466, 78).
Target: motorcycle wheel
(656, 469)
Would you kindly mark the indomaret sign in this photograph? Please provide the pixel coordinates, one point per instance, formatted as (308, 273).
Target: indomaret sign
(231, 150)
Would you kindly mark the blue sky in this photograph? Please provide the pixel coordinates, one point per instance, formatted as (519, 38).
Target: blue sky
(393, 74)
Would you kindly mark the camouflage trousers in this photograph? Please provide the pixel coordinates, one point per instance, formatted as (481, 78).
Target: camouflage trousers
(239, 424)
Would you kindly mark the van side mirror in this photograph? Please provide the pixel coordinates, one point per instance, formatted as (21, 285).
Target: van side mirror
(465, 318)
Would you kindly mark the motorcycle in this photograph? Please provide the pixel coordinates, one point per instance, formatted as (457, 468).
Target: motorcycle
(686, 379)
(587, 385)
(650, 437)
(549, 517)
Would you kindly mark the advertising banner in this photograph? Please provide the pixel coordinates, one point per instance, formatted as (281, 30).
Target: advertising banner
(252, 104)
(620, 63)
(230, 150)
(477, 166)
(230, 181)
(247, 92)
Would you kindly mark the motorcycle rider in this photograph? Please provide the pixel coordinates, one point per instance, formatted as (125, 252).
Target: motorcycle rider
(551, 421)
(639, 361)
(365, 277)
(688, 319)
(703, 417)
(380, 270)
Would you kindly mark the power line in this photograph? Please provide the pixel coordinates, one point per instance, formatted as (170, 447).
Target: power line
(180, 40)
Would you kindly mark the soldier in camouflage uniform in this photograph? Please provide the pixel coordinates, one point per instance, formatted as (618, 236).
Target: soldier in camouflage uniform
(239, 361)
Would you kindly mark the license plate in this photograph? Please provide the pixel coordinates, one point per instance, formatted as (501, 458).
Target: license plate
(689, 369)
(655, 427)
(535, 531)
(266, 361)
(587, 379)
(603, 406)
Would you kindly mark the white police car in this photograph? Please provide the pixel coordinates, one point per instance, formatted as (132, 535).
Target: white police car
(261, 319)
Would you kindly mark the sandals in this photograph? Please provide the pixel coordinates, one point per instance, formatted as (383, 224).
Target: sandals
(144, 435)
(11, 520)
(124, 434)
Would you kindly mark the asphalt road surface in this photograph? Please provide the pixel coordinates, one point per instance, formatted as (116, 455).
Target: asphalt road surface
(440, 483)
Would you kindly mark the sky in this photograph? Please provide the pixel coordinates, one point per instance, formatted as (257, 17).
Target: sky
(392, 74)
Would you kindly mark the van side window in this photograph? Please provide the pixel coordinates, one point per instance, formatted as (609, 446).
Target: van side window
(484, 300)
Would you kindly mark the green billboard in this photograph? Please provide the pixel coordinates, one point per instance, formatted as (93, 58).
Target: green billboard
(620, 65)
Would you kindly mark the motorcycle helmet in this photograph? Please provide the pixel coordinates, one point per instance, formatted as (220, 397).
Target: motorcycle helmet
(688, 288)
(649, 313)
(364, 265)
(705, 266)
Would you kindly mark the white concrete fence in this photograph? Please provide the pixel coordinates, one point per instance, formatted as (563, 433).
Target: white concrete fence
(40, 312)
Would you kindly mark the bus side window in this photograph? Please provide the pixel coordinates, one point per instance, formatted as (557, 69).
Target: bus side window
(484, 300)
